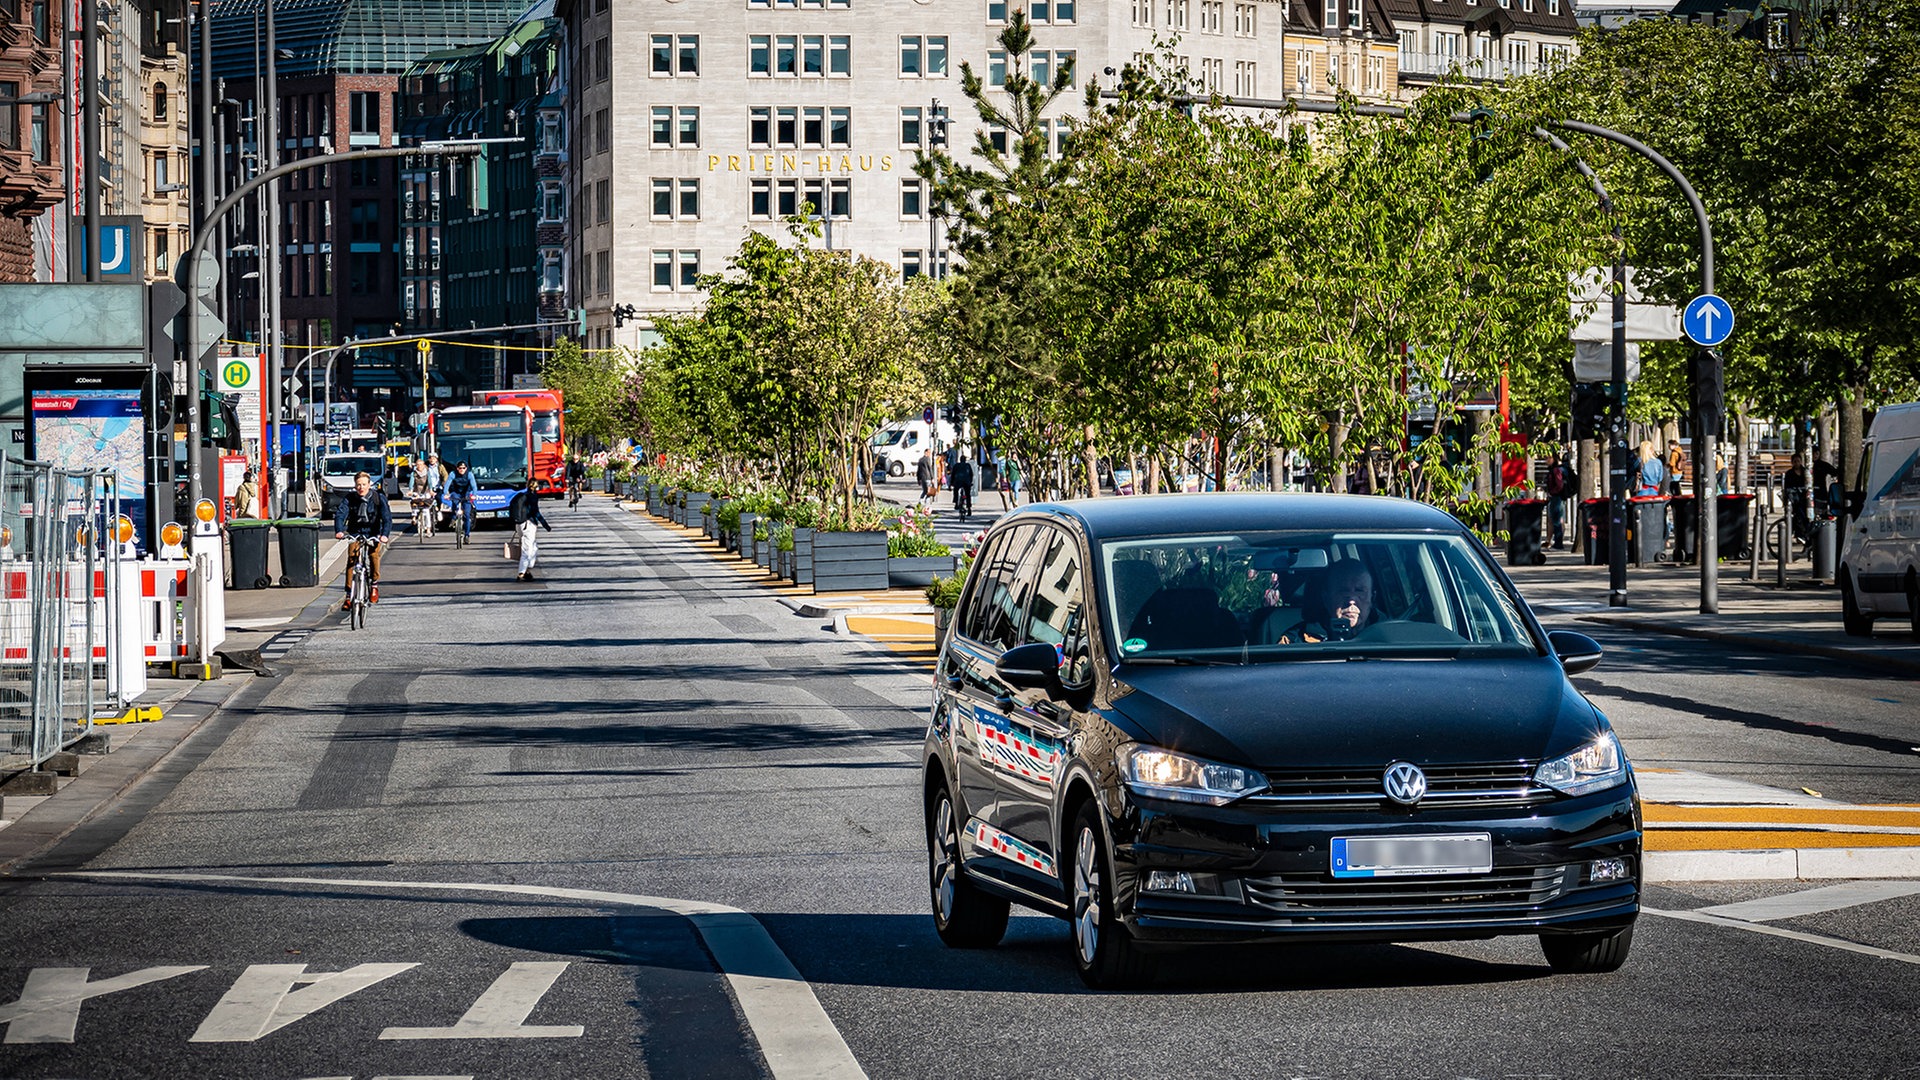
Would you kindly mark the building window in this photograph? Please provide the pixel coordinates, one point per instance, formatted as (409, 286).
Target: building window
(1246, 20)
(1176, 14)
(603, 201)
(1059, 11)
(676, 270)
(910, 134)
(997, 137)
(1331, 15)
(1212, 15)
(676, 54)
(363, 115)
(9, 118)
(913, 199)
(1376, 74)
(831, 198)
(1246, 78)
(159, 103)
(553, 201)
(788, 55)
(996, 67)
(676, 198)
(1355, 14)
(159, 252)
(603, 60)
(676, 125)
(603, 130)
(42, 27)
(996, 11)
(1303, 71)
(914, 262)
(553, 270)
(760, 199)
(552, 135)
(923, 56)
(603, 273)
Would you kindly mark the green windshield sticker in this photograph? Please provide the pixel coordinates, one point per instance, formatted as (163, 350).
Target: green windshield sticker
(1133, 644)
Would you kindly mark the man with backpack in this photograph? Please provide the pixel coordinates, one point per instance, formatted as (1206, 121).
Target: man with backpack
(961, 478)
(1562, 486)
(524, 513)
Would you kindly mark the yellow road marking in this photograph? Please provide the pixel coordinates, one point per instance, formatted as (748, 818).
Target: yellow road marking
(1790, 815)
(1768, 840)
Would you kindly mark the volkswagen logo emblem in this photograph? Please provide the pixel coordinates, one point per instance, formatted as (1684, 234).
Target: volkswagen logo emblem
(1405, 783)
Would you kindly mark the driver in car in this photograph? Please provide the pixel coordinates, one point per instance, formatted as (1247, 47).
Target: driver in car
(1342, 607)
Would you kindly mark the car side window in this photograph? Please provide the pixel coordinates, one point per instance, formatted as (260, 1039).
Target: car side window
(1058, 589)
(998, 603)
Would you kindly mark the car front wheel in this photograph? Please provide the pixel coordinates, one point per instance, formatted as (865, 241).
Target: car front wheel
(1857, 623)
(963, 916)
(1587, 954)
(1103, 948)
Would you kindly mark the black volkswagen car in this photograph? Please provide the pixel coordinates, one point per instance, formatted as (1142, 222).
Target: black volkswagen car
(1249, 717)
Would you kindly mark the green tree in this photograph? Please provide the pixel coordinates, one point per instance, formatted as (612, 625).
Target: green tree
(593, 385)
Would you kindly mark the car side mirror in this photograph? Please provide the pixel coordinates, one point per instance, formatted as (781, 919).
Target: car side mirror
(1033, 666)
(1576, 652)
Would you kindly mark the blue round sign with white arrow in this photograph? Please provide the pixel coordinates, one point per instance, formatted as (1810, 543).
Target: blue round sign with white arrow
(1708, 320)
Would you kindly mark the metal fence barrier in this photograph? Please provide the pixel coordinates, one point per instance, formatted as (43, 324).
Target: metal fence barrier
(57, 530)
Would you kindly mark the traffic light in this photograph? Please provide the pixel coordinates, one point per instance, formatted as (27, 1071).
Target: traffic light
(1590, 403)
(1706, 379)
(623, 312)
(936, 124)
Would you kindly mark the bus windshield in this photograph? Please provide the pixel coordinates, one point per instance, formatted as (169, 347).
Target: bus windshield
(495, 460)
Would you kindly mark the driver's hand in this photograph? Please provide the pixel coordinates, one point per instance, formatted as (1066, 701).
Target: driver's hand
(339, 536)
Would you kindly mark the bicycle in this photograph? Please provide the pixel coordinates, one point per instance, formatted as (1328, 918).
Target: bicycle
(423, 516)
(462, 522)
(573, 493)
(360, 581)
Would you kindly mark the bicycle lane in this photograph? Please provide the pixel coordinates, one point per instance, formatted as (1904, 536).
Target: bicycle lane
(371, 954)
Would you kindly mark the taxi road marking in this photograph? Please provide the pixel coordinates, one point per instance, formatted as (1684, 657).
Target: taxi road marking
(264, 999)
(501, 1012)
(49, 1004)
(796, 1037)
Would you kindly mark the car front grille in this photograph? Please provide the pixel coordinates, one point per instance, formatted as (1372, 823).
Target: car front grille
(1500, 783)
(1316, 897)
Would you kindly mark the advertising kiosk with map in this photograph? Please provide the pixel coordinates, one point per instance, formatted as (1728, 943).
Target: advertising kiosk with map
(92, 418)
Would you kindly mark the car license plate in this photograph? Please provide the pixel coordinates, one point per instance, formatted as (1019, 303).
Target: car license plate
(488, 514)
(1399, 856)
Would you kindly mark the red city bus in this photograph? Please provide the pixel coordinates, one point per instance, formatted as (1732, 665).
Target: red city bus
(549, 408)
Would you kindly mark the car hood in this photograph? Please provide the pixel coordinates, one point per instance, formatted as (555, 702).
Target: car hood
(1344, 713)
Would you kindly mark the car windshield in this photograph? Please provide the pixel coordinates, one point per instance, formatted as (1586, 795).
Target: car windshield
(1259, 596)
(887, 438)
(347, 466)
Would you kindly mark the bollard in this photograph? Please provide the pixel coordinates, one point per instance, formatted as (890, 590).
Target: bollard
(1759, 538)
(1785, 528)
(1823, 554)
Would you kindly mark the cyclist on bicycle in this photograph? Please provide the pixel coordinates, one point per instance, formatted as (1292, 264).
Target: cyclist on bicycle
(576, 479)
(423, 494)
(365, 512)
(460, 490)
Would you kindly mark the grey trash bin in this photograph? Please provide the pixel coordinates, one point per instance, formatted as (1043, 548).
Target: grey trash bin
(299, 552)
(247, 554)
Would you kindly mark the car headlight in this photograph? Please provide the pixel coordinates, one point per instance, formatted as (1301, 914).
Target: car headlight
(1164, 774)
(1594, 767)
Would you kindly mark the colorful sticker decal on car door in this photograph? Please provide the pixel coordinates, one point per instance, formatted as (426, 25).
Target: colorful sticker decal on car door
(1007, 744)
(988, 838)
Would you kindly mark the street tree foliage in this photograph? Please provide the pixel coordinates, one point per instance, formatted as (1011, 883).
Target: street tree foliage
(595, 389)
(1808, 163)
(798, 355)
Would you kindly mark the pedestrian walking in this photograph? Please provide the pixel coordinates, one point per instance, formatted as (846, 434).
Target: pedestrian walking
(1012, 486)
(524, 513)
(1652, 477)
(1562, 485)
(923, 472)
(962, 480)
(245, 497)
(1676, 467)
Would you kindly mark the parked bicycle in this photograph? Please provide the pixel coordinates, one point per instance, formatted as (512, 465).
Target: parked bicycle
(360, 580)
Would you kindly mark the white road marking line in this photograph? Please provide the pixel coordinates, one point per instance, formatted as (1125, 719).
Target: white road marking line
(501, 1012)
(1814, 901)
(264, 999)
(49, 1005)
(1782, 932)
(795, 1035)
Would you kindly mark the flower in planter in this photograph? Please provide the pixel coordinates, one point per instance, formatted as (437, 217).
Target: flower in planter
(944, 592)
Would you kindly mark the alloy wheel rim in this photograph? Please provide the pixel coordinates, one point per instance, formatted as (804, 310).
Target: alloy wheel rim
(945, 859)
(1086, 898)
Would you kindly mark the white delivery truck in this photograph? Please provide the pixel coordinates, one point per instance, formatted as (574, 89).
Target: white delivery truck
(337, 472)
(897, 447)
(1880, 555)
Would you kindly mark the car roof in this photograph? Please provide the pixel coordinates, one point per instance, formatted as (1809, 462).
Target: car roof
(1118, 517)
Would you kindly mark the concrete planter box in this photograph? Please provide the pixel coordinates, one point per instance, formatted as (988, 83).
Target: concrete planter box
(917, 571)
(849, 561)
(710, 518)
(696, 505)
(764, 550)
(942, 618)
(746, 547)
(803, 556)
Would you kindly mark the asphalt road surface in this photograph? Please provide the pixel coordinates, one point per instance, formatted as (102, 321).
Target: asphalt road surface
(637, 819)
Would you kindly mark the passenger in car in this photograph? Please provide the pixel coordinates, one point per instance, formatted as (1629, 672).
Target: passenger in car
(1338, 608)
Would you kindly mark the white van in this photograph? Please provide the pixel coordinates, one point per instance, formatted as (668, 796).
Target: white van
(337, 472)
(1880, 558)
(896, 447)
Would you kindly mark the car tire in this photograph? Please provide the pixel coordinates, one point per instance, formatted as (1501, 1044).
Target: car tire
(1103, 948)
(1856, 622)
(1587, 954)
(1913, 603)
(963, 916)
